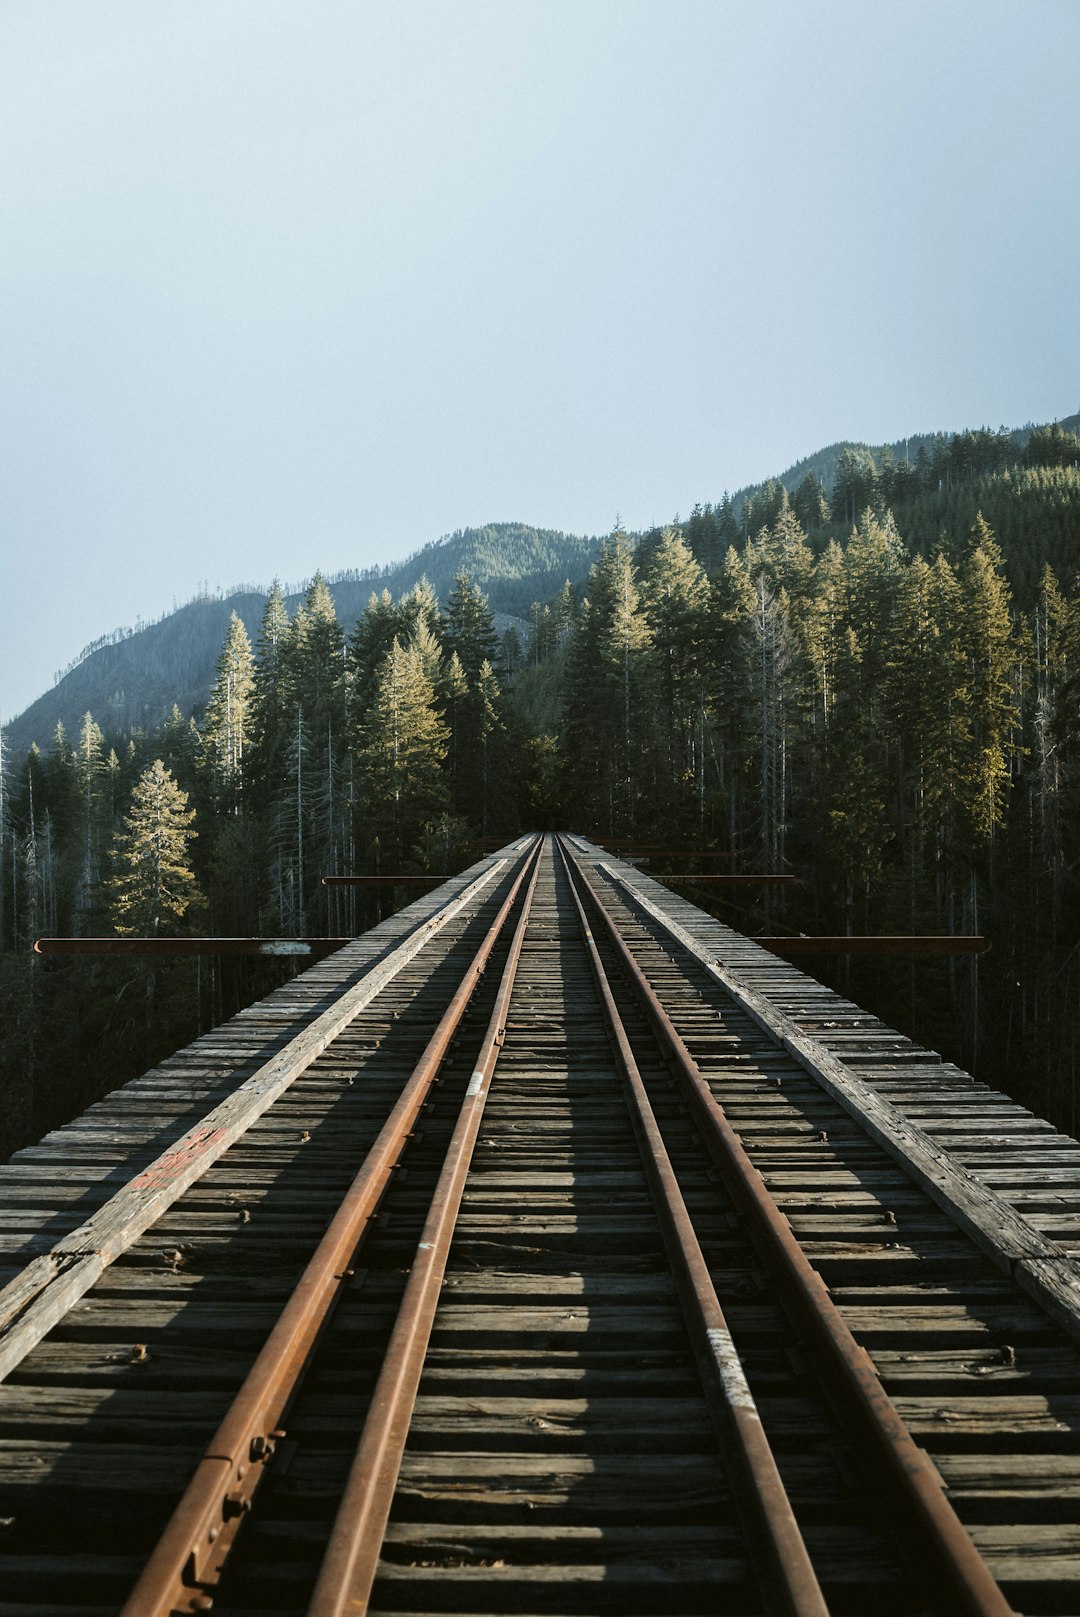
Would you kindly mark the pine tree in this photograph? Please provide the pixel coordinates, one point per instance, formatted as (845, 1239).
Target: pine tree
(770, 649)
(376, 629)
(268, 673)
(34, 906)
(728, 615)
(727, 528)
(810, 505)
(228, 725)
(451, 696)
(701, 535)
(154, 887)
(674, 596)
(420, 606)
(905, 483)
(543, 633)
(401, 747)
(912, 694)
(315, 657)
(111, 788)
(565, 614)
(606, 723)
(59, 821)
(315, 777)
(179, 744)
(988, 635)
(488, 727)
(822, 628)
(1054, 638)
(429, 649)
(1054, 652)
(90, 771)
(469, 627)
(510, 654)
(985, 634)
(231, 851)
(265, 760)
(583, 759)
(947, 736)
(854, 485)
(59, 771)
(1052, 446)
(873, 565)
(858, 826)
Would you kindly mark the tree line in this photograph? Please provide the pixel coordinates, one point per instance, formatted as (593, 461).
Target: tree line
(872, 707)
(385, 752)
(888, 726)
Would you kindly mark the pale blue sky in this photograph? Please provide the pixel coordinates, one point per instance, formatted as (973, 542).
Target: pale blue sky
(298, 285)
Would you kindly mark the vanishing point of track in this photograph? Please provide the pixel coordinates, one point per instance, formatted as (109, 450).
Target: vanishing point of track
(544, 1252)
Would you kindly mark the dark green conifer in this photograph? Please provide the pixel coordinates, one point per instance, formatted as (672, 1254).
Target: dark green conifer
(469, 627)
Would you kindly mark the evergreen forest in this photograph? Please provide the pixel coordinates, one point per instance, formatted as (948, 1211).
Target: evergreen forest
(870, 682)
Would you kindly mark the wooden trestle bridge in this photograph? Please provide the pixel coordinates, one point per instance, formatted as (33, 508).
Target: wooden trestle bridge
(550, 1248)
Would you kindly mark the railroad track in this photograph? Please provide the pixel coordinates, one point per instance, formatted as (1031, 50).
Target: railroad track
(550, 1250)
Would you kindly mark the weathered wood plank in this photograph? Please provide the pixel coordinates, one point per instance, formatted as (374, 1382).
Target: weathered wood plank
(1007, 1238)
(41, 1295)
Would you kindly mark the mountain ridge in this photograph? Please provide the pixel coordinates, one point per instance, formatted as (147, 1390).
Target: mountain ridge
(823, 461)
(130, 679)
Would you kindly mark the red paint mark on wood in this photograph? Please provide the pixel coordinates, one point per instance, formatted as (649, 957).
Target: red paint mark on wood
(170, 1167)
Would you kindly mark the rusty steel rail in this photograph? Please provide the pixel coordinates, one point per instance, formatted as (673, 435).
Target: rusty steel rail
(954, 1563)
(190, 1558)
(349, 1565)
(1015, 1244)
(786, 1573)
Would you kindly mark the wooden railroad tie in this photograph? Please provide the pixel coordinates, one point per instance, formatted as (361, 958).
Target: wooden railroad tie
(860, 1158)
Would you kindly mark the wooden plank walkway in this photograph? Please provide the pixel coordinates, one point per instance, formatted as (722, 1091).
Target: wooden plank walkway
(560, 1458)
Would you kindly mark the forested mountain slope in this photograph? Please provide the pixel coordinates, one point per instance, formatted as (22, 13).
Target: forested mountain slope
(131, 680)
(871, 686)
(824, 462)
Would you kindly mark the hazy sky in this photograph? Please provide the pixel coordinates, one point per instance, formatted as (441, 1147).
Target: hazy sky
(298, 285)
